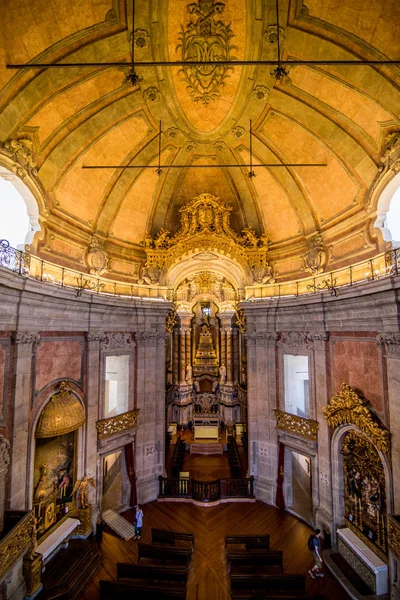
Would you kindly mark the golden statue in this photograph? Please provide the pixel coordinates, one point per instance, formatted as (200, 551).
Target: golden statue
(82, 488)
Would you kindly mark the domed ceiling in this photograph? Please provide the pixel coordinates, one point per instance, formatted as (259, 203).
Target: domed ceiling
(338, 115)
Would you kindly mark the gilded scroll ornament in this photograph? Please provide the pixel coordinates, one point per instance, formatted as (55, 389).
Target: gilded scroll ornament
(294, 424)
(205, 227)
(170, 321)
(15, 543)
(394, 535)
(348, 407)
(118, 424)
(241, 321)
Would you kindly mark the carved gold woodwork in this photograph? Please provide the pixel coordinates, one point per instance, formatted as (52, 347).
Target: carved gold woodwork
(205, 226)
(347, 407)
(15, 543)
(294, 424)
(241, 321)
(118, 424)
(64, 413)
(32, 569)
(364, 490)
(170, 321)
(85, 517)
(394, 534)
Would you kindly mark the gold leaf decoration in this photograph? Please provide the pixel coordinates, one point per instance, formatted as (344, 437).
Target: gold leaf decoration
(346, 407)
(113, 425)
(294, 424)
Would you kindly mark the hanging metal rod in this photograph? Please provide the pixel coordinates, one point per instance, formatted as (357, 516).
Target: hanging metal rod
(156, 167)
(200, 63)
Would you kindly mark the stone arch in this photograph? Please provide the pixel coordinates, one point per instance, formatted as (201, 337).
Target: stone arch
(51, 390)
(30, 193)
(386, 193)
(337, 473)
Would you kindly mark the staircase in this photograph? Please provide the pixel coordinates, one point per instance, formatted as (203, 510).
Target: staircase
(215, 448)
(70, 570)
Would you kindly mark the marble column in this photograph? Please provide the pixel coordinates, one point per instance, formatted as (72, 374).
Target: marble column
(89, 464)
(150, 438)
(24, 342)
(175, 350)
(182, 355)
(236, 361)
(223, 346)
(229, 356)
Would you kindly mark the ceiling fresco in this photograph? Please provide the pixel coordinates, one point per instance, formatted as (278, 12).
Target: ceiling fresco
(338, 115)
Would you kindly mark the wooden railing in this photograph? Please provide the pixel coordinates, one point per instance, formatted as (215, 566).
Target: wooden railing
(206, 491)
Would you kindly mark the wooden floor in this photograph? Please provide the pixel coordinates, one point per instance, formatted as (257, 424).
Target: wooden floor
(208, 578)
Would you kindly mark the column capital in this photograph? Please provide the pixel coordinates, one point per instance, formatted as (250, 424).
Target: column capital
(390, 341)
(94, 336)
(25, 337)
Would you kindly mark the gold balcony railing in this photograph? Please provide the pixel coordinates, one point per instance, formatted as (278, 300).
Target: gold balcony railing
(393, 531)
(25, 265)
(294, 424)
(117, 424)
(16, 543)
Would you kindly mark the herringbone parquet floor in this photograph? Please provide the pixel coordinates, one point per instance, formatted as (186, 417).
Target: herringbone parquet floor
(208, 579)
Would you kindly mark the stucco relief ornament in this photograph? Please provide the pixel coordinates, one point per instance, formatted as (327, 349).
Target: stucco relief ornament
(261, 92)
(152, 94)
(21, 151)
(271, 35)
(205, 38)
(142, 38)
(391, 152)
(117, 339)
(96, 258)
(262, 271)
(315, 258)
(170, 321)
(4, 451)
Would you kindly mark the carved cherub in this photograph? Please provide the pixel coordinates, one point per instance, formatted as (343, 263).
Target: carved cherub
(82, 488)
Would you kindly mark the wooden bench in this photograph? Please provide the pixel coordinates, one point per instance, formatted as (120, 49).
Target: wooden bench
(162, 536)
(181, 555)
(282, 584)
(177, 575)
(122, 590)
(277, 597)
(256, 560)
(249, 539)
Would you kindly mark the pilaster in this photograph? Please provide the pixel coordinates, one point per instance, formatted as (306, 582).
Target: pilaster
(24, 342)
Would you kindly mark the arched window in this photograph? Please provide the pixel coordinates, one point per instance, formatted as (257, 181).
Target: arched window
(19, 211)
(392, 221)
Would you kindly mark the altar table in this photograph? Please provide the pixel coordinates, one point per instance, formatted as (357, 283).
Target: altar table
(59, 537)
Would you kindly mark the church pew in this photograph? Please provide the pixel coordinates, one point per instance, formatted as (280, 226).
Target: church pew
(163, 536)
(249, 539)
(181, 555)
(177, 575)
(277, 597)
(255, 560)
(123, 590)
(276, 584)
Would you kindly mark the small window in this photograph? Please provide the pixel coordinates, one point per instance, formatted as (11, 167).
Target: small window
(14, 219)
(392, 221)
(296, 385)
(116, 385)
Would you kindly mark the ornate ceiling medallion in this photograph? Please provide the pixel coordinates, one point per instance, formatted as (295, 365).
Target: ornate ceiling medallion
(348, 407)
(206, 38)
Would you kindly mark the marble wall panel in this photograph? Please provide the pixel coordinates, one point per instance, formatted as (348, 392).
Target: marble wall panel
(357, 362)
(2, 377)
(58, 360)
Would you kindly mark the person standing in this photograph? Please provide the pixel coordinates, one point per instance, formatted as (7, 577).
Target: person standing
(138, 522)
(314, 544)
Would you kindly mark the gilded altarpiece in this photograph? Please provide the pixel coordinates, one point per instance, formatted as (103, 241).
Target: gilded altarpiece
(364, 491)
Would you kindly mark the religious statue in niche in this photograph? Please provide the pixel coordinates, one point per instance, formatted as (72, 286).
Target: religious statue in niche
(222, 374)
(189, 374)
(315, 258)
(205, 38)
(81, 488)
(364, 490)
